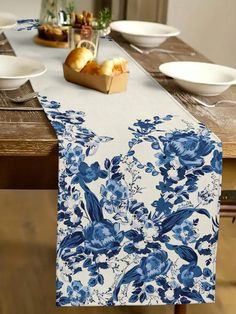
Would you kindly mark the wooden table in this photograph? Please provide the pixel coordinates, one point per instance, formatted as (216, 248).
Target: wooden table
(28, 144)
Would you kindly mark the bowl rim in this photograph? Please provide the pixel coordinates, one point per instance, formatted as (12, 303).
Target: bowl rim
(41, 68)
(11, 17)
(195, 81)
(173, 30)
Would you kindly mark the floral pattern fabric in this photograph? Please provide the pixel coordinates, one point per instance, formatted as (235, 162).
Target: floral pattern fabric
(27, 24)
(136, 228)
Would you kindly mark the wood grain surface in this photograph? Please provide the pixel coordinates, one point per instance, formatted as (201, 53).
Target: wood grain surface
(24, 133)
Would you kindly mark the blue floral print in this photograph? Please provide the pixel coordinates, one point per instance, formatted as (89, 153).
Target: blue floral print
(103, 237)
(115, 247)
(91, 173)
(113, 194)
(188, 273)
(216, 161)
(77, 293)
(185, 232)
(188, 147)
(27, 24)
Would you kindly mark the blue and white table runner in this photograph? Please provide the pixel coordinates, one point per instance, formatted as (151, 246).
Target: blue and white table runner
(139, 186)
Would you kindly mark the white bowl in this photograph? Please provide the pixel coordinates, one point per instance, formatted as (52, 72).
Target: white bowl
(7, 20)
(206, 79)
(15, 71)
(144, 34)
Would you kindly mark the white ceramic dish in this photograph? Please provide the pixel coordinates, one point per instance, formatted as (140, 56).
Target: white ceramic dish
(7, 20)
(15, 71)
(144, 34)
(206, 79)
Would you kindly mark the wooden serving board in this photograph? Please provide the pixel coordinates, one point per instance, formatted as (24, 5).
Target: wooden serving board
(49, 43)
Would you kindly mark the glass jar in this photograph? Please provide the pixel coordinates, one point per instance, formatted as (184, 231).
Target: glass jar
(84, 37)
(55, 18)
(56, 12)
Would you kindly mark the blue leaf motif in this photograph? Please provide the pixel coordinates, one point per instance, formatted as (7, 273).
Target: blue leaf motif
(100, 279)
(131, 153)
(149, 289)
(133, 298)
(132, 275)
(178, 217)
(107, 164)
(63, 301)
(116, 160)
(142, 297)
(129, 248)
(93, 206)
(207, 169)
(134, 235)
(196, 296)
(137, 291)
(71, 241)
(87, 262)
(114, 169)
(185, 252)
(117, 176)
(92, 282)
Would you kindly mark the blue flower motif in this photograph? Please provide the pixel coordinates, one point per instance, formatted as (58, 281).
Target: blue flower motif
(155, 264)
(169, 295)
(185, 232)
(145, 126)
(27, 24)
(188, 273)
(103, 236)
(74, 156)
(216, 162)
(189, 147)
(204, 245)
(68, 219)
(162, 159)
(205, 196)
(91, 173)
(162, 207)
(113, 194)
(77, 293)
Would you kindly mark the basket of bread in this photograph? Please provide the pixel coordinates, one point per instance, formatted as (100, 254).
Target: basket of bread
(111, 76)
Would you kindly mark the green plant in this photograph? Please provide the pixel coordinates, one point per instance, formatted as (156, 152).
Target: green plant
(70, 7)
(104, 18)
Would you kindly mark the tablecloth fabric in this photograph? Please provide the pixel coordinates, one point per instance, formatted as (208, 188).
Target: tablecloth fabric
(139, 185)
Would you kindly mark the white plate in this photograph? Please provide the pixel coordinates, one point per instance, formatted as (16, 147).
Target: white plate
(144, 34)
(7, 20)
(15, 71)
(200, 78)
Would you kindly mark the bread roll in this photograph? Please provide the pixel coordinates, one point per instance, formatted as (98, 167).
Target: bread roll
(120, 65)
(91, 68)
(114, 67)
(78, 58)
(106, 68)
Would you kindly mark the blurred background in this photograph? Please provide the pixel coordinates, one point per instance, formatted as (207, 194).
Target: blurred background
(209, 26)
